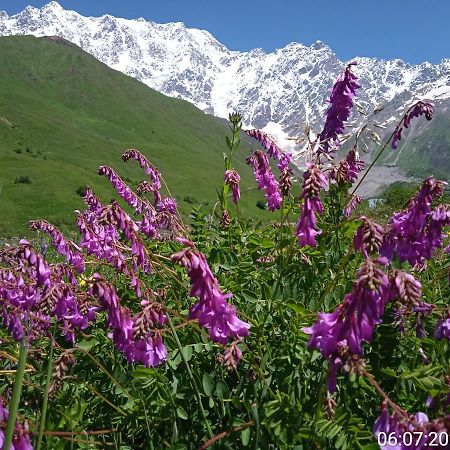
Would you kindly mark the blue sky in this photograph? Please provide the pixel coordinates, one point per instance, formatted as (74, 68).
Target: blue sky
(414, 30)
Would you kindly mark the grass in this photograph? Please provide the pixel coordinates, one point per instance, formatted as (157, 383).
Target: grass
(63, 113)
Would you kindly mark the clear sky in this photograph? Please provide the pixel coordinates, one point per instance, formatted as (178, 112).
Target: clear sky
(413, 30)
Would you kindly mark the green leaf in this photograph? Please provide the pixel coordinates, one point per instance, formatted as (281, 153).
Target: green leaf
(181, 413)
(175, 361)
(389, 372)
(229, 145)
(87, 344)
(208, 384)
(297, 308)
(245, 437)
(143, 372)
(187, 352)
(221, 389)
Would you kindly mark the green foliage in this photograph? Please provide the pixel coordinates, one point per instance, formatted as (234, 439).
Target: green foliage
(22, 179)
(276, 397)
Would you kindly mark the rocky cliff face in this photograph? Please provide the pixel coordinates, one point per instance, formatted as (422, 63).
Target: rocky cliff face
(278, 92)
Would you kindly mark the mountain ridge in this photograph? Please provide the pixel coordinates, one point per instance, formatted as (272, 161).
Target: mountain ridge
(279, 92)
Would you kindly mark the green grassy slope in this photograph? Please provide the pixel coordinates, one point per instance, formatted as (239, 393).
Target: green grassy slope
(63, 113)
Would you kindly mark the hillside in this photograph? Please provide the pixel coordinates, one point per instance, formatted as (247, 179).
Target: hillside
(63, 113)
(275, 91)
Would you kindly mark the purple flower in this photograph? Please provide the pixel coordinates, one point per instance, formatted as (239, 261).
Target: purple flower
(394, 430)
(339, 335)
(232, 179)
(352, 204)
(341, 103)
(406, 291)
(307, 229)
(348, 170)
(273, 150)
(62, 246)
(123, 190)
(212, 310)
(442, 330)
(145, 164)
(135, 336)
(265, 179)
(368, 237)
(416, 110)
(21, 438)
(92, 201)
(416, 232)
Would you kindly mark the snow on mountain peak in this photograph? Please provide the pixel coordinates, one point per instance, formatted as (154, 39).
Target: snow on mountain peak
(277, 91)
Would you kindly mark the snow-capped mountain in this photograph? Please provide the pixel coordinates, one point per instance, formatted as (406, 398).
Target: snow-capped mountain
(278, 92)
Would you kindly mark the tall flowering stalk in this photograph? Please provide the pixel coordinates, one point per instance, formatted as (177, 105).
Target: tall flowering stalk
(341, 103)
(265, 179)
(339, 335)
(212, 310)
(283, 159)
(418, 109)
(123, 189)
(63, 247)
(136, 337)
(231, 176)
(307, 230)
(146, 165)
(416, 232)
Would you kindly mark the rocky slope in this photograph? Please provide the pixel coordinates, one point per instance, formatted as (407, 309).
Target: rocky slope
(278, 92)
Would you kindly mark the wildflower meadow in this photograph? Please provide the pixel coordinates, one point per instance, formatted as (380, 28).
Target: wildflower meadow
(319, 328)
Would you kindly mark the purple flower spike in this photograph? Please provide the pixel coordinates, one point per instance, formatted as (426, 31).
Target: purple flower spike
(307, 230)
(416, 232)
(368, 237)
(145, 164)
(442, 330)
(339, 335)
(352, 204)
(232, 179)
(348, 170)
(61, 245)
(134, 337)
(265, 179)
(273, 150)
(419, 109)
(341, 103)
(212, 310)
(123, 189)
(92, 201)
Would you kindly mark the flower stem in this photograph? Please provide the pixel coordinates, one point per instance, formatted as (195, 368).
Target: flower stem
(400, 412)
(369, 168)
(191, 376)
(17, 390)
(46, 390)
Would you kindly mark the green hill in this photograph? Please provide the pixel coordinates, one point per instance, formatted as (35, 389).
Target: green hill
(63, 113)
